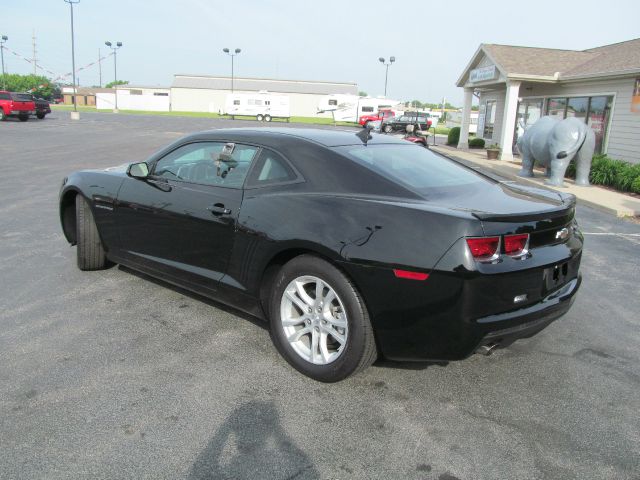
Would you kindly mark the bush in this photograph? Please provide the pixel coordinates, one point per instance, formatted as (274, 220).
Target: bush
(571, 170)
(476, 143)
(620, 175)
(454, 136)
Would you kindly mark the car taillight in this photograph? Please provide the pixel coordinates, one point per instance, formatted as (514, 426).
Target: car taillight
(484, 248)
(516, 244)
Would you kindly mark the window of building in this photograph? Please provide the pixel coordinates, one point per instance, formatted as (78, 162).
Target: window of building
(556, 107)
(267, 102)
(489, 118)
(236, 102)
(333, 102)
(135, 92)
(594, 111)
(161, 94)
(367, 109)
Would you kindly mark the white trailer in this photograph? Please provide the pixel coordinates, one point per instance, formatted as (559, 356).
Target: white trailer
(349, 108)
(262, 105)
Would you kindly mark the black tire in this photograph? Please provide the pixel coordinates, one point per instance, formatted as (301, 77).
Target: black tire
(267, 118)
(259, 117)
(23, 118)
(90, 252)
(3, 117)
(360, 350)
(388, 129)
(40, 115)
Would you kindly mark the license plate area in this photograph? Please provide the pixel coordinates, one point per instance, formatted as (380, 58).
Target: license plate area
(556, 276)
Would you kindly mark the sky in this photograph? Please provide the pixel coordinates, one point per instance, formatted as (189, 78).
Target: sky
(328, 40)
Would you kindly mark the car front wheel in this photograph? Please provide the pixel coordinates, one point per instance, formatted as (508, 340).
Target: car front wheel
(23, 118)
(40, 115)
(319, 322)
(90, 251)
(388, 128)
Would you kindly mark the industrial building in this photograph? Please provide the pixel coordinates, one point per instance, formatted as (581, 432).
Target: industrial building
(207, 93)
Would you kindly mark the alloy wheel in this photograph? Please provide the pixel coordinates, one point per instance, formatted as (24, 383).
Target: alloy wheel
(314, 320)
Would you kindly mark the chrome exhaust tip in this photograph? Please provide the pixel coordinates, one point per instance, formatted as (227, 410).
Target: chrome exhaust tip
(486, 350)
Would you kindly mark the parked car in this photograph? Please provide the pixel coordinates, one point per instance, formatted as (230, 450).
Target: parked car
(400, 123)
(350, 245)
(42, 107)
(380, 116)
(19, 105)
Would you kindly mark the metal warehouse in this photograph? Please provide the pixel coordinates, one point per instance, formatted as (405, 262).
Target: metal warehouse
(208, 93)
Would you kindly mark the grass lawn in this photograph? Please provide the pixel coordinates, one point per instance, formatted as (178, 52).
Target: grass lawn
(308, 120)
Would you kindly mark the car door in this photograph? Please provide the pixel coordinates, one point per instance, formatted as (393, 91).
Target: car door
(181, 220)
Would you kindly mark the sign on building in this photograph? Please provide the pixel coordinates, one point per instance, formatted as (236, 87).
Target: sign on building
(482, 74)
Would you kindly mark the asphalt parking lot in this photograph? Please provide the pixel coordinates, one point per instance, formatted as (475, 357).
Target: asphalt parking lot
(112, 375)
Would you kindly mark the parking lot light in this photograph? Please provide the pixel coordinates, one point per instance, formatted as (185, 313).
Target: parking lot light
(3, 39)
(74, 115)
(386, 75)
(115, 69)
(228, 52)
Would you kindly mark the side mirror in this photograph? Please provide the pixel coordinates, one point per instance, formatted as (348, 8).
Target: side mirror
(138, 170)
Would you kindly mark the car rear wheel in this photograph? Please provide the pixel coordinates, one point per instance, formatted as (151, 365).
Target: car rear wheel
(3, 117)
(388, 129)
(259, 117)
(319, 322)
(23, 118)
(40, 115)
(90, 252)
(267, 118)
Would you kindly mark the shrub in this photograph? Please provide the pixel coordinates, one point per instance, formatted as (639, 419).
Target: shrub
(604, 170)
(454, 136)
(571, 170)
(635, 186)
(627, 174)
(476, 143)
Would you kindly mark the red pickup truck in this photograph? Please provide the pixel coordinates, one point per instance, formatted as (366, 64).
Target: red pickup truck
(19, 105)
(381, 115)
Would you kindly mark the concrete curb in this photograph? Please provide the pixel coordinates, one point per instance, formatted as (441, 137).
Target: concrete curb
(502, 172)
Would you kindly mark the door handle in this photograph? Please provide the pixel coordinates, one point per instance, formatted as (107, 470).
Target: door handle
(219, 209)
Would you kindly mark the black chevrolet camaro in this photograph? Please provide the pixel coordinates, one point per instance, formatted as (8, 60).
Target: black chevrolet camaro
(352, 246)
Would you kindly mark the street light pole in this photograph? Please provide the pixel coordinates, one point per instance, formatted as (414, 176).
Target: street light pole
(386, 75)
(228, 52)
(115, 70)
(3, 39)
(74, 115)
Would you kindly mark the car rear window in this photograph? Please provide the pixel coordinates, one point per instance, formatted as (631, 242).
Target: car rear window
(412, 166)
(22, 97)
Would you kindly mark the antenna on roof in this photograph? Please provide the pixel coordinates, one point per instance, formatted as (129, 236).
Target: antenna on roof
(365, 134)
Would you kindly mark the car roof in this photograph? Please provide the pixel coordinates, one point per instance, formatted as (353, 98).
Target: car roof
(328, 137)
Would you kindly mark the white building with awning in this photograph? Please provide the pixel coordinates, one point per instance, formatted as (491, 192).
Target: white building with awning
(517, 85)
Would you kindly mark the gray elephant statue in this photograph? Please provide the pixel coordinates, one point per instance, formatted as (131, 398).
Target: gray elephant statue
(553, 143)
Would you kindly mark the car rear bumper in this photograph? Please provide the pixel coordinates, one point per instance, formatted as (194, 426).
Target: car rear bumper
(22, 112)
(448, 316)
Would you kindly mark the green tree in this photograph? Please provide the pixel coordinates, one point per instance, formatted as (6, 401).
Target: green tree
(119, 82)
(362, 93)
(39, 85)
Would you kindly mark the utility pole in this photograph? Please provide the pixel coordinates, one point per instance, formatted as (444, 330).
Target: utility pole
(99, 68)
(75, 115)
(3, 39)
(35, 59)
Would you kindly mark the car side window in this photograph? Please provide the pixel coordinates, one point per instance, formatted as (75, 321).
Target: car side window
(209, 163)
(271, 168)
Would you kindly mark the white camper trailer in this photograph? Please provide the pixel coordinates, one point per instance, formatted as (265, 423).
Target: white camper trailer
(349, 108)
(262, 105)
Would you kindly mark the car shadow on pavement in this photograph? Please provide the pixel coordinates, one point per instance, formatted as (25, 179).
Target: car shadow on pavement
(252, 444)
(200, 298)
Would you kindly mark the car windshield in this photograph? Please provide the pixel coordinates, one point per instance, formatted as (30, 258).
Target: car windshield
(412, 166)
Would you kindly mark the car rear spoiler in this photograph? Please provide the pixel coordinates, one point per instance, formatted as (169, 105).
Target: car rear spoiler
(566, 209)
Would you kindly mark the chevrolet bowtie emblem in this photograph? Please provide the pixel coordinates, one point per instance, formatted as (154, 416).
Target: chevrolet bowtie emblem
(562, 234)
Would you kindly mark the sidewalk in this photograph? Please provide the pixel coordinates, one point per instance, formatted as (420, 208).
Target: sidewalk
(599, 198)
